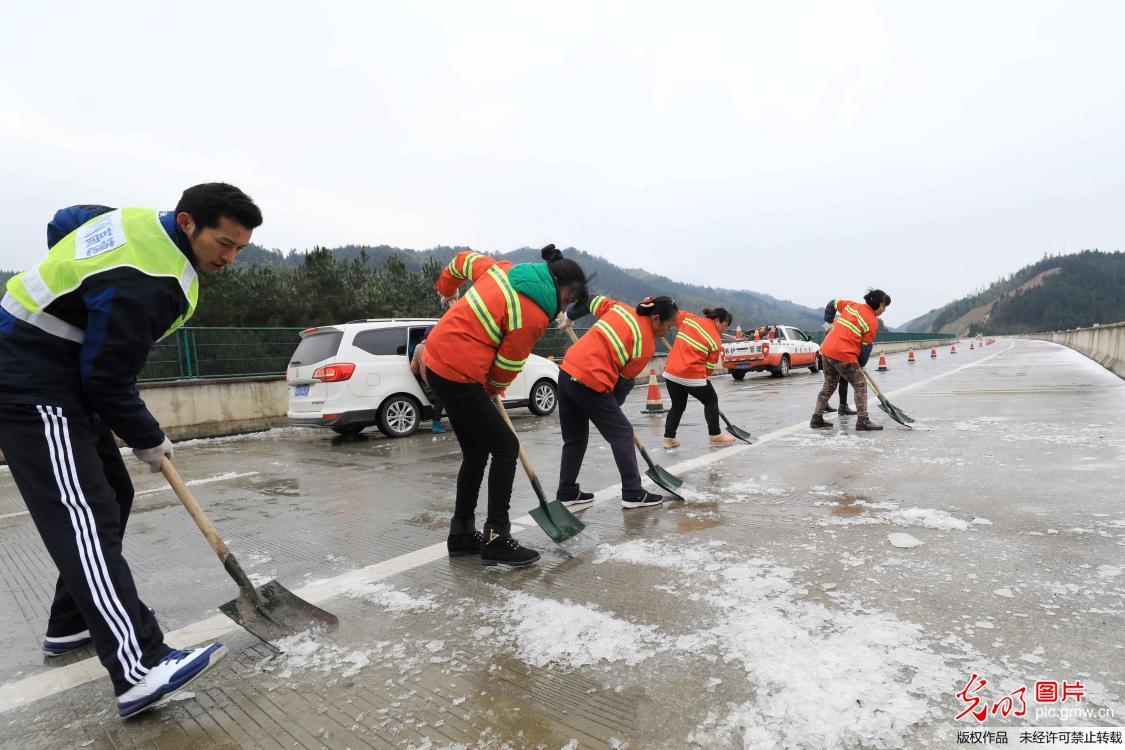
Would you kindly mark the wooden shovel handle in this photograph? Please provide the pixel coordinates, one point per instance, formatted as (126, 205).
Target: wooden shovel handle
(194, 509)
(523, 456)
(871, 382)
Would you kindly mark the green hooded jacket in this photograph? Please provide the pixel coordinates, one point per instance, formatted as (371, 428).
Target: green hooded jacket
(536, 282)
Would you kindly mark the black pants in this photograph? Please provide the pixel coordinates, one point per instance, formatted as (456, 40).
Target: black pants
(72, 478)
(433, 398)
(481, 432)
(864, 355)
(705, 394)
(578, 407)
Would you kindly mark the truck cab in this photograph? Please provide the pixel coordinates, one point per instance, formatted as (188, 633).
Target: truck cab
(774, 348)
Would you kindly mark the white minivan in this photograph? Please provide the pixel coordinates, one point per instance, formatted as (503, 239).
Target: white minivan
(357, 374)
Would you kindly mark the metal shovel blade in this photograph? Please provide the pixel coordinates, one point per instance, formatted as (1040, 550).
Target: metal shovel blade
(894, 413)
(664, 479)
(738, 432)
(554, 517)
(272, 611)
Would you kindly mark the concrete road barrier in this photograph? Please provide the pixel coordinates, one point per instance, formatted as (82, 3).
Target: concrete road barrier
(1103, 344)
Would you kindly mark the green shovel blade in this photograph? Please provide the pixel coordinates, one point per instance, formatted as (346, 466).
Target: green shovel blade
(554, 518)
(893, 413)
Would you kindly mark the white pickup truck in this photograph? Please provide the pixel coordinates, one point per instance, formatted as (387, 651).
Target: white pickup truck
(779, 349)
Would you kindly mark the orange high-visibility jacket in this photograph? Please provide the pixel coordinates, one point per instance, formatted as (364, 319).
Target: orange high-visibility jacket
(695, 352)
(619, 345)
(855, 326)
(488, 334)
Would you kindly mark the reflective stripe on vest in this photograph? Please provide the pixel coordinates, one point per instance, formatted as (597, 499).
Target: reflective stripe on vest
(511, 302)
(624, 354)
(850, 326)
(710, 340)
(124, 238)
(858, 317)
(706, 346)
(43, 321)
(511, 365)
(465, 271)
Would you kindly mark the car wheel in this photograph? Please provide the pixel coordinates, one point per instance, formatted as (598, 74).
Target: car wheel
(783, 368)
(352, 429)
(738, 374)
(817, 365)
(544, 398)
(399, 416)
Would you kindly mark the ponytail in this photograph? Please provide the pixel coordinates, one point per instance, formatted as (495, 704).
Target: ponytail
(565, 272)
(719, 313)
(876, 297)
(665, 307)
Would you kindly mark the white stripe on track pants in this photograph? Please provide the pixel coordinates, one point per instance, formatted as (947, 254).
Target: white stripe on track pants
(74, 483)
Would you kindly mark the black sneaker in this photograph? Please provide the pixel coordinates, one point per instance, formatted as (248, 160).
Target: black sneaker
(646, 500)
(463, 539)
(846, 411)
(583, 499)
(501, 549)
(828, 409)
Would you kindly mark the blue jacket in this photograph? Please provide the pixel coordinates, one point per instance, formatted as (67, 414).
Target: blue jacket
(123, 313)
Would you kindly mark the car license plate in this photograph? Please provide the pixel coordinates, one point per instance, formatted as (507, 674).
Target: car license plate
(743, 367)
(300, 390)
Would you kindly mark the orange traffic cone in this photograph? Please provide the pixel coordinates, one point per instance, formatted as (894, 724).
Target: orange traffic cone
(882, 361)
(933, 353)
(738, 332)
(653, 404)
(953, 349)
(910, 357)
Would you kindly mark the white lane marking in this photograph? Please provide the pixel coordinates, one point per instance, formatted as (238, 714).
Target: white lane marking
(30, 689)
(191, 483)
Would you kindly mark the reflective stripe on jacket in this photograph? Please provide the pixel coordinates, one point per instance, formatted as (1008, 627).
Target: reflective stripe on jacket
(487, 336)
(695, 352)
(855, 326)
(619, 345)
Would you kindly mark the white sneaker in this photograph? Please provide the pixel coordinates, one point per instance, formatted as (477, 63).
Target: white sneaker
(174, 671)
(65, 644)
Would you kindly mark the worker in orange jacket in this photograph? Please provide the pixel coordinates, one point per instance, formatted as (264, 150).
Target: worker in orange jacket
(473, 353)
(856, 325)
(694, 357)
(596, 375)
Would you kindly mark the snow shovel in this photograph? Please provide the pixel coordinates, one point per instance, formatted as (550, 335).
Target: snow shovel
(738, 432)
(658, 473)
(269, 611)
(664, 478)
(553, 517)
(893, 411)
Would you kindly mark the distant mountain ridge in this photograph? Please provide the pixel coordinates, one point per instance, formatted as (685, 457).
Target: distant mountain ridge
(1058, 292)
(627, 284)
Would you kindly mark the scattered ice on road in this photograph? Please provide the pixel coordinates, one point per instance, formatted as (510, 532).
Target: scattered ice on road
(389, 597)
(903, 541)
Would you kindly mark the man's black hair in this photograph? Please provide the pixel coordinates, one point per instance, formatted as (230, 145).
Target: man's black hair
(211, 201)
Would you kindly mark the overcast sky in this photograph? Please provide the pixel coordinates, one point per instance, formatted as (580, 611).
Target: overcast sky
(805, 150)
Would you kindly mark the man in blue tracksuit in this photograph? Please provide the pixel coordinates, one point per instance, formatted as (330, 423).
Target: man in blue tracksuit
(74, 333)
(864, 355)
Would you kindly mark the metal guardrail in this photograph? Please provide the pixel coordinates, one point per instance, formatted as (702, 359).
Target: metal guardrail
(191, 353)
(230, 352)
